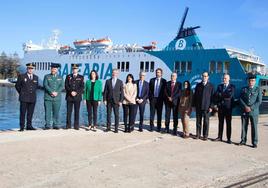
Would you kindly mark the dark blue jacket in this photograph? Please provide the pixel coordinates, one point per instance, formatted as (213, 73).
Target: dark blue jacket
(27, 88)
(225, 98)
(145, 91)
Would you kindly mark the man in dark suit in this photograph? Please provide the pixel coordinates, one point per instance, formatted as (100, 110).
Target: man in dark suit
(172, 98)
(74, 86)
(26, 86)
(142, 96)
(224, 97)
(113, 97)
(203, 103)
(156, 96)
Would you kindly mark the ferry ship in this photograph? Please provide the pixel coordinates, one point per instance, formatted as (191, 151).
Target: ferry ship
(184, 54)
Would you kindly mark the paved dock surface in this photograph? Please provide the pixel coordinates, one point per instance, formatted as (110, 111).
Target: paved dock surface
(69, 158)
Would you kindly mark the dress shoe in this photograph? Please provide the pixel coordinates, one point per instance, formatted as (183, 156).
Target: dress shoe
(107, 130)
(30, 128)
(141, 130)
(76, 128)
(254, 146)
(229, 141)
(47, 128)
(242, 143)
(21, 129)
(218, 139)
(56, 128)
(205, 139)
(116, 131)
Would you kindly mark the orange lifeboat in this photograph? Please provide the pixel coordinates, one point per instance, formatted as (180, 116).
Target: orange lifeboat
(150, 47)
(82, 43)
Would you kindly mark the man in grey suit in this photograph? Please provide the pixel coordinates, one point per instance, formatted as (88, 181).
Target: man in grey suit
(113, 97)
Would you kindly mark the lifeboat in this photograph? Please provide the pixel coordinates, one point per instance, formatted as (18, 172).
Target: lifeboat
(150, 47)
(82, 43)
(104, 42)
(65, 48)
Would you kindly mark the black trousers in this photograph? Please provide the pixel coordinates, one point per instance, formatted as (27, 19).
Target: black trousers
(226, 114)
(141, 108)
(70, 106)
(129, 116)
(174, 108)
(156, 104)
(26, 108)
(202, 114)
(115, 107)
(92, 107)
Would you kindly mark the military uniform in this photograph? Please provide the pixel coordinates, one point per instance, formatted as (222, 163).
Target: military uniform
(76, 84)
(250, 97)
(26, 86)
(52, 83)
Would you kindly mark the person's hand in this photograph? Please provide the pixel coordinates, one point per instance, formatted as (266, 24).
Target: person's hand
(85, 102)
(120, 104)
(54, 94)
(73, 93)
(99, 102)
(247, 109)
(141, 100)
(105, 102)
(210, 109)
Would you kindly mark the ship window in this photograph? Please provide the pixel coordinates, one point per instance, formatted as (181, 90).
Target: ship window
(152, 66)
(118, 65)
(146, 66)
(212, 67)
(127, 66)
(226, 67)
(49, 65)
(183, 67)
(219, 67)
(189, 66)
(122, 66)
(176, 66)
(45, 68)
(141, 65)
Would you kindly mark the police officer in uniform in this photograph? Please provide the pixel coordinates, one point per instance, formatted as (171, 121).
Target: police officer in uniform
(224, 97)
(53, 85)
(250, 100)
(74, 86)
(26, 86)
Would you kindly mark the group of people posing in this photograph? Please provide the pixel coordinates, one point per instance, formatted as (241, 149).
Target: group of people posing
(178, 99)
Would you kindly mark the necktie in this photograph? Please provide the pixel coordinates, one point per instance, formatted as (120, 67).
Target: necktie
(30, 77)
(224, 87)
(172, 88)
(113, 82)
(140, 89)
(156, 88)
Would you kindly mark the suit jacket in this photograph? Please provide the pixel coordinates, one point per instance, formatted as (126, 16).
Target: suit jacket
(116, 94)
(176, 93)
(203, 96)
(27, 88)
(130, 93)
(250, 98)
(225, 98)
(162, 86)
(97, 95)
(144, 92)
(74, 84)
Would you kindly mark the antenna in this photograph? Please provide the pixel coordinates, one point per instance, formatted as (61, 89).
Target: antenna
(182, 21)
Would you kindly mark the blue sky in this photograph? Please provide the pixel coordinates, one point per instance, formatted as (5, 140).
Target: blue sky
(240, 23)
